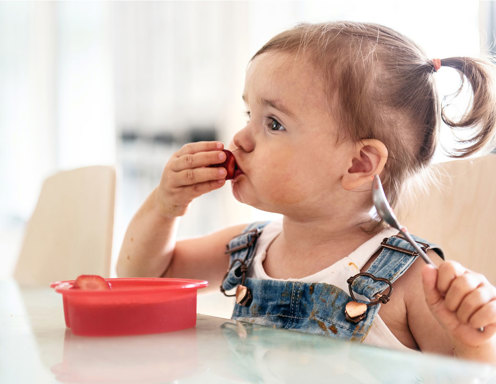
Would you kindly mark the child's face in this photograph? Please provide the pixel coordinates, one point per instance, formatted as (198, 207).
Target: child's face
(288, 150)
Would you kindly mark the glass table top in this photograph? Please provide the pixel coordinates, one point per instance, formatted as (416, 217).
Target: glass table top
(36, 347)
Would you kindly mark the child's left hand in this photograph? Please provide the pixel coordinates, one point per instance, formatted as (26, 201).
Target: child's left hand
(464, 302)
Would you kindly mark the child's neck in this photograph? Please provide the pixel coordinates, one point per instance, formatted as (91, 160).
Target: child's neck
(306, 247)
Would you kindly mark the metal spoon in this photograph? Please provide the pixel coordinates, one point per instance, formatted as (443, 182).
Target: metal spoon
(386, 213)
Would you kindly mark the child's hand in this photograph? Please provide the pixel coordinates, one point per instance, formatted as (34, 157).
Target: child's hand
(187, 176)
(464, 302)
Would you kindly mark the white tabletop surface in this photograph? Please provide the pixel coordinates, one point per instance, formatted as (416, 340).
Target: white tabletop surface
(36, 347)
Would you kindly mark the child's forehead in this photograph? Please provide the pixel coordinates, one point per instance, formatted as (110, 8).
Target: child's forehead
(286, 74)
(284, 63)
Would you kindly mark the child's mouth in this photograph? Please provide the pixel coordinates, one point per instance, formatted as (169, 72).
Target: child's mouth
(237, 172)
(237, 169)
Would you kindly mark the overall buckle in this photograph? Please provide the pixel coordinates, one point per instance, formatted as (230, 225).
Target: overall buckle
(356, 311)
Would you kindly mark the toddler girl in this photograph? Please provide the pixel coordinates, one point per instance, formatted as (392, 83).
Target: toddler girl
(329, 106)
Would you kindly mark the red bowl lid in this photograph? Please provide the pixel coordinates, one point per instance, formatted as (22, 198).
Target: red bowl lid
(134, 285)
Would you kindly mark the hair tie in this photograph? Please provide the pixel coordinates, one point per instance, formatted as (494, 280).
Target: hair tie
(436, 63)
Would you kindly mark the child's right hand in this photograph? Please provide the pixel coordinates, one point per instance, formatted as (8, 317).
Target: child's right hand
(462, 301)
(187, 175)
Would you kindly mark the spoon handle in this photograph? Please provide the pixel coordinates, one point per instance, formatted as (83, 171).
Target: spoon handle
(422, 254)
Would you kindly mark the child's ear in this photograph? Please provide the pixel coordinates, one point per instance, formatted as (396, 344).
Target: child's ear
(369, 158)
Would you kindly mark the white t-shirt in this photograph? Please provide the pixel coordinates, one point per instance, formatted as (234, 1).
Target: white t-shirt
(337, 274)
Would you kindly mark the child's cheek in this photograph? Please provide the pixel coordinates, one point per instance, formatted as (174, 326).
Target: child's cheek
(284, 186)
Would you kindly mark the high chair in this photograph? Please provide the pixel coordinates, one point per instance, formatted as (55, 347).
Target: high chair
(458, 212)
(70, 230)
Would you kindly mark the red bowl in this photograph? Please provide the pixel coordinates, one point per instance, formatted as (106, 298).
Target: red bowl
(132, 306)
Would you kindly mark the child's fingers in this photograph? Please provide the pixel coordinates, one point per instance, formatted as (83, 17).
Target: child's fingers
(202, 188)
(190, 177)
(460, 287)
(448, 271)
(200, 146)
(472, 302)
(429, 279)
(179, 198)
(435, 300)
(196, 160)
(484, 316)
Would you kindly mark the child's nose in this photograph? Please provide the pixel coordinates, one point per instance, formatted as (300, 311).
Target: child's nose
(243, 140)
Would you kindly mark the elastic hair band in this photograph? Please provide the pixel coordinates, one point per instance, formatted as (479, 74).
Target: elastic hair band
(436, 63)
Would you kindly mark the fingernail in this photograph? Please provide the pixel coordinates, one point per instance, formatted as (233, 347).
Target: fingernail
(220, 145)
(222, 156)
(222, 171)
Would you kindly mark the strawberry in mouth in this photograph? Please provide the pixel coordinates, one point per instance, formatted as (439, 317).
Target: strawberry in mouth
(230, 165)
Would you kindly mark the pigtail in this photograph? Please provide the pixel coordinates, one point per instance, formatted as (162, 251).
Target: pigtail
(481, 116)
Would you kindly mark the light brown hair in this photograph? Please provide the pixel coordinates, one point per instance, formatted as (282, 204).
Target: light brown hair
(384, 89)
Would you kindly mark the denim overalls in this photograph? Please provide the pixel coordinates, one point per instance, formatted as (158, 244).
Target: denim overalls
(318, 307)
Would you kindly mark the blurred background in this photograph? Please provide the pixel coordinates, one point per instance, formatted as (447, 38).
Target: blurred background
(127, 83)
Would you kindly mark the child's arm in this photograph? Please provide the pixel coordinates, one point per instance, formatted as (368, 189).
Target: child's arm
(464, 303)
(149, 247)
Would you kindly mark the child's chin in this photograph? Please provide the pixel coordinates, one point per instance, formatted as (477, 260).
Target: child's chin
(238, 194)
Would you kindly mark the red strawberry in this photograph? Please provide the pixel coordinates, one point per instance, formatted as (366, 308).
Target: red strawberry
(229, 164)
(91, 283)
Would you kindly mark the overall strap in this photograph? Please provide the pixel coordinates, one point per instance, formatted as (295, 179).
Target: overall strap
(394, 259)
(241, 250)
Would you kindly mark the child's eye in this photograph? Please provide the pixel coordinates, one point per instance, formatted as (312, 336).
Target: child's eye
(274, 125)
